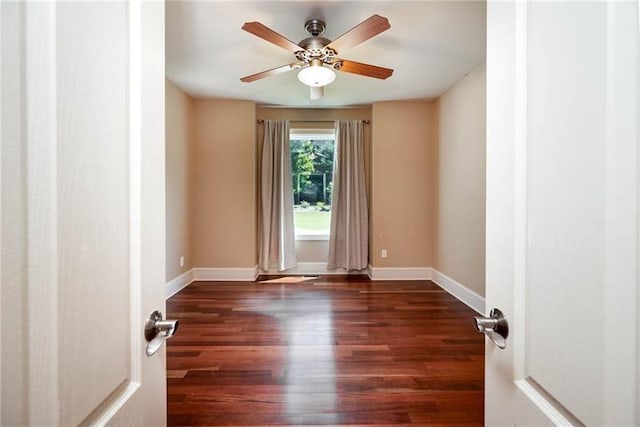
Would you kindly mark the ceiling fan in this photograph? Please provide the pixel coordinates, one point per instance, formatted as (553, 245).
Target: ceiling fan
(317, 56)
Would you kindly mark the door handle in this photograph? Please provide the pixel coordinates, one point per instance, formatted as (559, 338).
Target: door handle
(157, 331)
(495, 327)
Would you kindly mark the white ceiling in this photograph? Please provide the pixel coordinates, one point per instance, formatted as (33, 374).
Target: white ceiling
(431, 45)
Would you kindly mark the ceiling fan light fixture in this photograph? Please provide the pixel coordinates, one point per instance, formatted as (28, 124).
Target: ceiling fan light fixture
(316, 74)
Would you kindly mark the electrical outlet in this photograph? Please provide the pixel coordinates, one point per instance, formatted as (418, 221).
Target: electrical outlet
(181, 261)
(383, 253)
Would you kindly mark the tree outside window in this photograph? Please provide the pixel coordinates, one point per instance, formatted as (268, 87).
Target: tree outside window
(312, 176)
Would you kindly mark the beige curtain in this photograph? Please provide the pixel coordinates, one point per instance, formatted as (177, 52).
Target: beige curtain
(277, 234)
(349, 238)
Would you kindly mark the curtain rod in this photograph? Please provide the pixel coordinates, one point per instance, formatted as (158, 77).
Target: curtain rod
(260, 121)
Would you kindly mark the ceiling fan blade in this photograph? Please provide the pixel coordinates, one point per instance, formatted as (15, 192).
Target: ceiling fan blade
(266, 33)
(362, 69)
(368, 28)
(271, 72)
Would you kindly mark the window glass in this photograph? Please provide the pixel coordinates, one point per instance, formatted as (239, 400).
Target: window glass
(312, 177)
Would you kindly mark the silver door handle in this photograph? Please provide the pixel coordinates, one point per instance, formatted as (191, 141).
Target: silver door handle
(157, 331)
(495, 327)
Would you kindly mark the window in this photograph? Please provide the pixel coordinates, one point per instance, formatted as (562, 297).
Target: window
(312, 176)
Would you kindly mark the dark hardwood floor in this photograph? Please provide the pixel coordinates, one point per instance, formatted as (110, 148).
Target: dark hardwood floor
(331, 351)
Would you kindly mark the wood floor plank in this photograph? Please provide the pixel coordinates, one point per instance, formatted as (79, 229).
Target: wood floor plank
(334, 350)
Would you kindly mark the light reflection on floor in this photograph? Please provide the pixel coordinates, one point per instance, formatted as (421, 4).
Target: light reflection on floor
(310, 371)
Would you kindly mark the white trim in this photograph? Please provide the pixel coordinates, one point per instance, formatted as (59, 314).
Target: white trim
(520, 219)
(542, 403)
(621, 215)
(40, 138)
(225, 274)
(123, 395)
(316, 268)
(111, 410)
(453, 287)
(174, 286)
(135, 194)
(399, 273)
(458, 290)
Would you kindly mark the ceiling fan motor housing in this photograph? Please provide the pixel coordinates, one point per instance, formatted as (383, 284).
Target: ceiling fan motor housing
(314, 46)
(314, 27)
(315, 54)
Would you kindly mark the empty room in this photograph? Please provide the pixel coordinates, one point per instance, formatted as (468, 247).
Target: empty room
(320, 213)
(316, 223)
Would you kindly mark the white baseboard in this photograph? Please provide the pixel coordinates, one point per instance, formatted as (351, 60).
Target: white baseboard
(456, 289)
(176, 285)
(225, 274)
(313, 268)
(399, 273)
(459, 291)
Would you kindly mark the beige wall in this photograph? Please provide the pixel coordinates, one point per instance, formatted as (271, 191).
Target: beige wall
(460, 218)
(179, 180)
(425, 163)
(402, 183)
(317, 250)
(224, 200)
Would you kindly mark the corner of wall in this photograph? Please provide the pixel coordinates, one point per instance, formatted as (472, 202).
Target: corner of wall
(174, 286)
(435, 180)
(459, 184)
(461, 292)
(191, 140)
(178, 185)
(452, 287)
